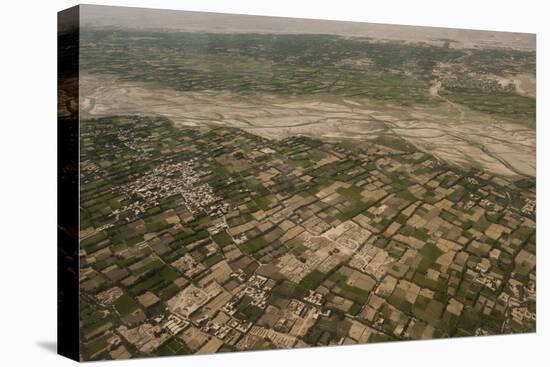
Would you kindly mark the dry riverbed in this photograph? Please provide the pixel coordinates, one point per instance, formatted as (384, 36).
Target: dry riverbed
(457, 135)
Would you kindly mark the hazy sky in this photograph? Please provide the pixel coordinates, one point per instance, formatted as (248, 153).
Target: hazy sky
(177, 20)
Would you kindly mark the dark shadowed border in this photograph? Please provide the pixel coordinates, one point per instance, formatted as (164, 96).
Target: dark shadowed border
(67, 182)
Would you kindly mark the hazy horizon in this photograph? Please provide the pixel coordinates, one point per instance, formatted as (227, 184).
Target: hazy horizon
(99, 16)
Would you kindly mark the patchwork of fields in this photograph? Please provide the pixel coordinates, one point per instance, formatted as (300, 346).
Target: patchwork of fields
(288, 243)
